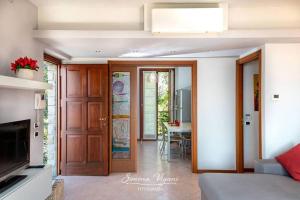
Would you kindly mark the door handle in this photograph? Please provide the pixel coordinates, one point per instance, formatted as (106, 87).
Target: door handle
(103, 121)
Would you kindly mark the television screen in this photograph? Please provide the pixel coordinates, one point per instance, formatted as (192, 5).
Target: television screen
(14, 146)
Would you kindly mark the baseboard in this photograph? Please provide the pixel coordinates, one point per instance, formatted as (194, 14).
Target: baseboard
(200, 171)
(248, 170)
(147, 140)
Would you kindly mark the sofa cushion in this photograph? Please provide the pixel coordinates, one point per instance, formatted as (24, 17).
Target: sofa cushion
(269, 166)
(249, 187)
(290, 160)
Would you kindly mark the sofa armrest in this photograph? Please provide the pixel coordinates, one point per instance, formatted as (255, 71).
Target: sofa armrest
(269, 166)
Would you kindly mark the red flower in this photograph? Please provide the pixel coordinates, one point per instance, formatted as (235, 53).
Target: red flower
(27, 63)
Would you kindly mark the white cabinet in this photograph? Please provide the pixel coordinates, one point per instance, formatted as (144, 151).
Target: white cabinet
(36, 186)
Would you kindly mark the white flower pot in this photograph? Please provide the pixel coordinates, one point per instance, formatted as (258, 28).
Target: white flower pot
(25, 73)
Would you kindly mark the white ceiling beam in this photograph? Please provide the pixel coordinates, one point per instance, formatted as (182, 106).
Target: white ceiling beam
(94, 34)
(88, 60)
(57, 53)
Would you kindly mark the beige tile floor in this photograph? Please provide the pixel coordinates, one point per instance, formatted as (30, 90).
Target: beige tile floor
(182, 185)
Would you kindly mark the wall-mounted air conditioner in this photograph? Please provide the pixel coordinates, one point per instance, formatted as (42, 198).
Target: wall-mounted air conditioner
(189, 20)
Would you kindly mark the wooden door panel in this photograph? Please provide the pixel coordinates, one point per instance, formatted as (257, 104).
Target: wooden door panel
(95, 82)
(84, 93)
(95, 116)
(76, 81)
(75, 115)
(75, 149)
(95, 151)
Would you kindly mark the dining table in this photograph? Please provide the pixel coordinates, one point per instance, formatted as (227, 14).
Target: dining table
(184, 127)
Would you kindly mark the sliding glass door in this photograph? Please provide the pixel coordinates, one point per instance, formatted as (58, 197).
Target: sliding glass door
(155, 102)
(150, 105)
(163, 100)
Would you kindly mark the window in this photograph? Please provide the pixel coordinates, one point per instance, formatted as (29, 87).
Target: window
(50, 116)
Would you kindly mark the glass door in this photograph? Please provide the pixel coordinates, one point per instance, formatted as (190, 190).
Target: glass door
(150, 105)
(163, 100)
(155, 102)
(123, 119)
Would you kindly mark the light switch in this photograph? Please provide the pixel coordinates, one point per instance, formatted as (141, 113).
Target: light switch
(275, 97)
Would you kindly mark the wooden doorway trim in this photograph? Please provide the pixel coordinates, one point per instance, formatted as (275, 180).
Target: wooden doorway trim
(141, 97)
(181, 63)
(239, 108)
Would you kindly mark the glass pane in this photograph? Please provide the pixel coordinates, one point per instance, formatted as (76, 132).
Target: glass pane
(163, 100)
(121, 115)
(150, 104)
(50, 116)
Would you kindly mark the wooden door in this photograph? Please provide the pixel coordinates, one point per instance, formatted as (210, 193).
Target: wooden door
(84, 135)
(123, 118)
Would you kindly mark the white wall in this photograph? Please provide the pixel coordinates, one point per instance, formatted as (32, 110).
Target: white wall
(129, 14)
(183, 78)
(17, 20)
(251, 130)
(216, 113)
(281, 69)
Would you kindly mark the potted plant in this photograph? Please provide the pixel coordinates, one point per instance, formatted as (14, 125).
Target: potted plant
(25, 67)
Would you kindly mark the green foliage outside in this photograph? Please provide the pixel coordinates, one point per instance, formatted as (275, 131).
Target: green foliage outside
(45, 136)
(163, 100)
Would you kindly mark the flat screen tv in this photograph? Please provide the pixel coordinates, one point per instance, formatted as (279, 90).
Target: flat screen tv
(14, 147)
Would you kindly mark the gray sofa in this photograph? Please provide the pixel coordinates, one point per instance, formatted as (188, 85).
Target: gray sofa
(269, 182)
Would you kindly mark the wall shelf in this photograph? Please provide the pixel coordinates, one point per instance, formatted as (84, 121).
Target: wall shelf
(24, 84)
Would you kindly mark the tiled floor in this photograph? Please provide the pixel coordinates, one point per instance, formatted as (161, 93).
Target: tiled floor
(178, 182)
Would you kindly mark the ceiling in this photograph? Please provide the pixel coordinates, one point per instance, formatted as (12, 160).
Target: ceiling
(88, 2)
(151, 47)
(131, 45)
(120, 2)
